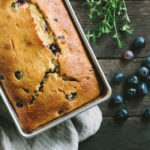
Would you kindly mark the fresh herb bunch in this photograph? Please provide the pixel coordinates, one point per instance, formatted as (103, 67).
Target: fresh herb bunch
(110, 13)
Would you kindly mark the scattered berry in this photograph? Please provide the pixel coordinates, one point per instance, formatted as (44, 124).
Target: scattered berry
(143, 89)
(143, 72)
(131, 92)
(139, 42)
(147, 114)
(148, 59)
(147, 62)
(128, 55)
(148, 80)
(122, 114)
(119, 77)
(116, 100)
(133, 80)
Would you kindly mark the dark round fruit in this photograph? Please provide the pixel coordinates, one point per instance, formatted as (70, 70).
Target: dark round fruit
(21, 1)
(148, 59)
(143, 72)
(147, 62)
(14, 5)
(54, 48)
(116, 100)
(131, 92)
(119, 77)
(71, 96)
(147, 114)
(60, 112)
(139, 42)
(128, 55)
(142, 88)
(148, 80)
(19, 104)
(122, 114)
(133, 80)
(1, 77)
(19, 75)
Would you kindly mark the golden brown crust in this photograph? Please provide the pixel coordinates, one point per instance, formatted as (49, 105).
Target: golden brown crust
(22, 50)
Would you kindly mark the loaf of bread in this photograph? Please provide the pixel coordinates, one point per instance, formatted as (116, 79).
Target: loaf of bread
(44, 68)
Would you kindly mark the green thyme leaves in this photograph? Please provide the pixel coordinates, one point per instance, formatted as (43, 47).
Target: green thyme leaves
(111, 15)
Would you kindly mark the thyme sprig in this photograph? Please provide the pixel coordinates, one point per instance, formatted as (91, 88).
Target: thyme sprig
(110, 13)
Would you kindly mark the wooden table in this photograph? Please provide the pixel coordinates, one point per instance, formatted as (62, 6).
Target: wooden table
(133, 134)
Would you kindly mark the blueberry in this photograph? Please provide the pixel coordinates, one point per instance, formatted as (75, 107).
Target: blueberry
(133, 80)
(60, 112)
(18, 75)
(131, 92)
(148, 59)
(14, 5)
(128, 55)
(54, 48)
(26, 90)
(1, 77)
(147, 62)
(71, 96)
(148, 80)
(116, 100)
(122, 114)
(142, 88)
(19, 105)
(119, 77)
(21, 1)
(143, 72)
(139, 42)
(61, 37)
(147, 114)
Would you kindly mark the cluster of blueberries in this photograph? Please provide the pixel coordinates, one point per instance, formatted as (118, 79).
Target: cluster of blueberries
(136, 85)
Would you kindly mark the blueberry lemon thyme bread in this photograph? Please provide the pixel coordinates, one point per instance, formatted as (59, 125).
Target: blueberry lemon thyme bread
(44, 69)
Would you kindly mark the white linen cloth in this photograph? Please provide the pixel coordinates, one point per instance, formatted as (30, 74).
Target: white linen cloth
(65, 136)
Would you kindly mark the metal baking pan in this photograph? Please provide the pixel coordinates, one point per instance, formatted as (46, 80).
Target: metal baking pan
(106, 95)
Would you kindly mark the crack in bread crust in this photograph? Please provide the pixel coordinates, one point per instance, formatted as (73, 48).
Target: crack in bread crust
(48, 38)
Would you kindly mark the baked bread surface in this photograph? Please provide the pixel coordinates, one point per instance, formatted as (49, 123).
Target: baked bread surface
(44, 69)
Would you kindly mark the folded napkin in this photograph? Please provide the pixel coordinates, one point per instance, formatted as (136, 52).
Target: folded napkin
(65, 136)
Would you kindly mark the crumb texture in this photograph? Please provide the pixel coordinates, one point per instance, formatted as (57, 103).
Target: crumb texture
(45, 71)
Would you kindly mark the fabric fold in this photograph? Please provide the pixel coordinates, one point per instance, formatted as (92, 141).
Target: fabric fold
(65, 136)
(88, 123)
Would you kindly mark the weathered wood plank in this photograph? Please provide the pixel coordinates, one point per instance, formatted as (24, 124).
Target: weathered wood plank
(136, 107)
(131, 135)
(139, 14)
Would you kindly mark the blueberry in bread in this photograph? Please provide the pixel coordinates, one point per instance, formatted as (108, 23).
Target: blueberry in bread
(44, 68)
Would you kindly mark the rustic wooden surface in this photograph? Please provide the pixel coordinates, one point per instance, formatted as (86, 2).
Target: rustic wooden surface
(133, 134)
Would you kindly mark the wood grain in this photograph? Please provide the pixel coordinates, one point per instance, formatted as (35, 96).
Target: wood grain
(139, 14)
(130, 135)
